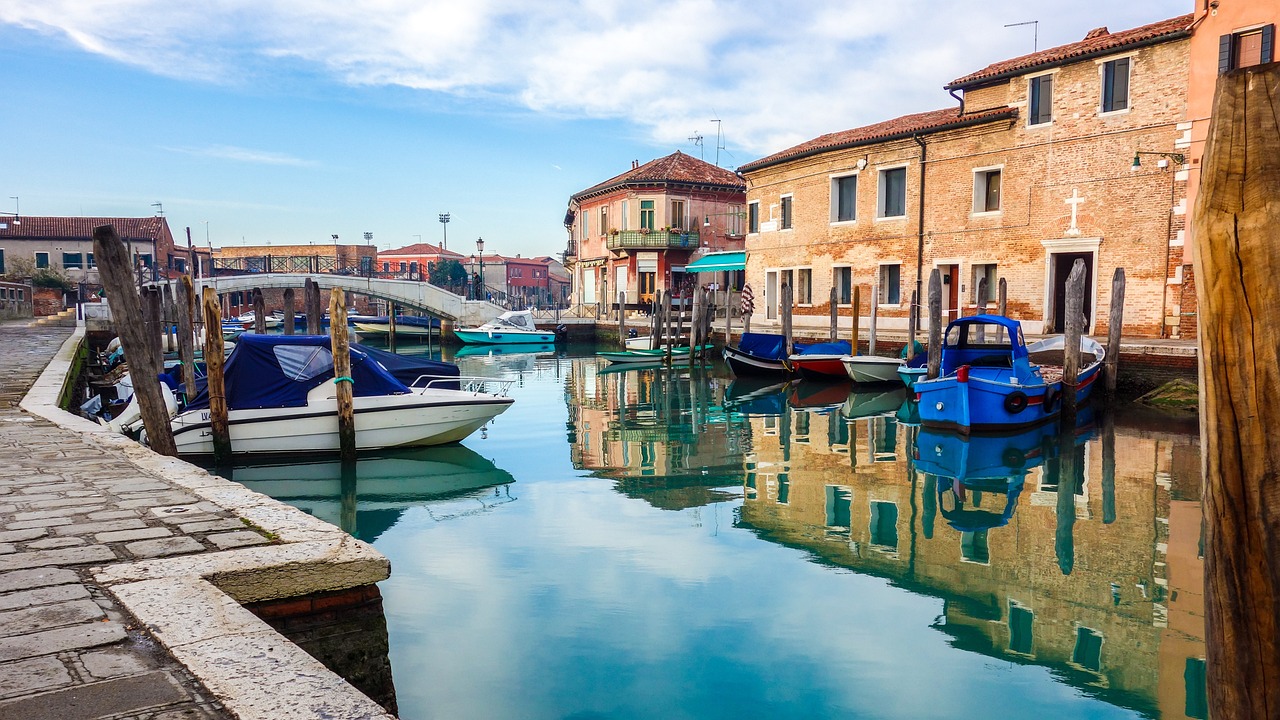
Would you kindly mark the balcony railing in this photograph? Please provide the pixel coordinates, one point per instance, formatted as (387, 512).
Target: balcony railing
(628, 239)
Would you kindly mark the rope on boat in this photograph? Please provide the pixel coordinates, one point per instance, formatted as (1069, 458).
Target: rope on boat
(343, 378)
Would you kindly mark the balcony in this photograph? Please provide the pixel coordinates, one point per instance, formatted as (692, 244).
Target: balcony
(657, 239)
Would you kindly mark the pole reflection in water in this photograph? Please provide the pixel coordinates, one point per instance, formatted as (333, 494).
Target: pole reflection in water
(691, 545)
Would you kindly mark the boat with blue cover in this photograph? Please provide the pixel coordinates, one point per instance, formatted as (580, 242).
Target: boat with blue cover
(991, 379)
(821, 361)
(760, 354)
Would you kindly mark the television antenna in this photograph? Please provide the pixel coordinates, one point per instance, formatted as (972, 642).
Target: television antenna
(719, 139)
(159, 206)
(1035, 32)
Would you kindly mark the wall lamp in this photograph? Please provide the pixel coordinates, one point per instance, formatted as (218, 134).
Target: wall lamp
(1177, 158)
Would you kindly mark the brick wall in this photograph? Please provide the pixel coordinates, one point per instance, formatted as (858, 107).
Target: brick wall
(48, 301)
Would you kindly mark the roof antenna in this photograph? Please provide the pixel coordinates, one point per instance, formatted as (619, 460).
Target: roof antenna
(159, 208)
(1035, 33)
(696, 139)
(719, 139)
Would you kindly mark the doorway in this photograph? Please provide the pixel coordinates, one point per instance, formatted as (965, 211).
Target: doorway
(1060, 265)
(771, 295)
(950, 291)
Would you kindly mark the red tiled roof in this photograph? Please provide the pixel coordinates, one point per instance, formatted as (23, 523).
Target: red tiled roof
(1097, 42)
(674, 168)
(925, 122)
(81, 228)
(420, 249)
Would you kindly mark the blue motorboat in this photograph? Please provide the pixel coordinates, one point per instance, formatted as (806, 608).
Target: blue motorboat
(992, 380)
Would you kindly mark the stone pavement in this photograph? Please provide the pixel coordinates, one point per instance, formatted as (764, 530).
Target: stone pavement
(104, 553)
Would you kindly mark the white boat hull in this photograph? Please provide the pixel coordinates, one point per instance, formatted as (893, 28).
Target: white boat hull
(424, 417)
(365, 328)
(504, 336)
(872, 369)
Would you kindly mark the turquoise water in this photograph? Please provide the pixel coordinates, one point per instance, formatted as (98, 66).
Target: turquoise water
(672, 544)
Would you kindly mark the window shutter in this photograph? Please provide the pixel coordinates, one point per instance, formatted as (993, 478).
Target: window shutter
(1268, 42)
(1224, 53)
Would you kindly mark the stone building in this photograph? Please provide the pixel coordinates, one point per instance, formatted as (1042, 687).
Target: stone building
(1033, 171)
(64, 245)
(635, 232)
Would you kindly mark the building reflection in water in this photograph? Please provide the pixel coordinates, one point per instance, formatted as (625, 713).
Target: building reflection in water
(1080, 552)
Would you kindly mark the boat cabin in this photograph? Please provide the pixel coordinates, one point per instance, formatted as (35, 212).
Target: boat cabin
(985, 341)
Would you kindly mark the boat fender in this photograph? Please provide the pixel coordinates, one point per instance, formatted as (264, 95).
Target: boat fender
(1051, 396)
(1015, 402)
(1013, 458)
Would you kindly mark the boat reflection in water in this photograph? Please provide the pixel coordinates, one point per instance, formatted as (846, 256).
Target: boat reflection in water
(446, 480)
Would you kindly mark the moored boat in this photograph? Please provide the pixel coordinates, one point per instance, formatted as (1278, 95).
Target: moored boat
(821, 361)
(871, 368)
(513, 326)
(676, 356)
(406, 325)
(992, 380)
(758, 354)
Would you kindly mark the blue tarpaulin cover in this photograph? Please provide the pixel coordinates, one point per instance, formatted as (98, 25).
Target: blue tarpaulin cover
(839, 347)
(277, 371)
(764, 345)
(408, 369)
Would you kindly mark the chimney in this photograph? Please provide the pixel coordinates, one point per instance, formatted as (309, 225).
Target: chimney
(1097, 32)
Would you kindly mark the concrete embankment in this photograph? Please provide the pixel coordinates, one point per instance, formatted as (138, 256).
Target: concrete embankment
(123, 574)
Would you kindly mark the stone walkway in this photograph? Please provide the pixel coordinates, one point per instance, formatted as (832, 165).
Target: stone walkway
(67, 650)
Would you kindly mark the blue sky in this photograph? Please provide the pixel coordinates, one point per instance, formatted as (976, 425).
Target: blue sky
(288, 121)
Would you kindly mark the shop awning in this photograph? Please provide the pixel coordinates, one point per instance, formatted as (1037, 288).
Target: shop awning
(716, 262)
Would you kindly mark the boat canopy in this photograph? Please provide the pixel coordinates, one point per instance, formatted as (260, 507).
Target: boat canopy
(407, 368)
(983, 340)
(764, 345)
(835, 347)
(277, 371)
(522, 319)
(717, 262)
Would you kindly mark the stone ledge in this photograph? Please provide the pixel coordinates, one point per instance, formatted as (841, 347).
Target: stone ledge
(191, 603)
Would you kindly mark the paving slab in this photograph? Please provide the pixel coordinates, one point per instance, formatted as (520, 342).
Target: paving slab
(134, 694)
(42, 596)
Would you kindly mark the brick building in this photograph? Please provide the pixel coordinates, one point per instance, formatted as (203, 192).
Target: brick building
(413, 261)
(1030, 173)
(326, 258)
(65, 245)
(635, 232)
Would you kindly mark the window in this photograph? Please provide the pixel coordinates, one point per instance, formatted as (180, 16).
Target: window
(604, 219)
(366, 265)
(884, 525)
(144, 259)
(844, 196)
(1040, 104)
(839, 506)
(586, 225)
(842, 278)
(1246, 49)
(892, 201)
(517, 272)
(646, 215)
(753, 217)
(1193, 678)
(1020, 628)
(786, 212)
(984, 280)
(42, 260)
(804, 286)
(301, 363)
(386, 267)
(178, 263)
(784, 489)
(735, 220)
(986, 190)
(973, 547)
(402, 267)
(1115, 85)
(890, 285)
(2, 271)
(413, 267)
(626, 221)
(677, 218)
(1088, 650)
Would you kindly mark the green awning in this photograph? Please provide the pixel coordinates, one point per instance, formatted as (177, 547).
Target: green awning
(716, 262)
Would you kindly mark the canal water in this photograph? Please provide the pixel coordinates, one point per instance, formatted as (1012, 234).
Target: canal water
(677, 544)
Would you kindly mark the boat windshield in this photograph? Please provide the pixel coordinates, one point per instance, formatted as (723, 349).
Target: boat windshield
(988, 336)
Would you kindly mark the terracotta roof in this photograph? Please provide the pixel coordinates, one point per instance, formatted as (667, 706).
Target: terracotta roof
(1098, 42)
(905, 126)
(420, 249)
(81, 228)
(675, 168)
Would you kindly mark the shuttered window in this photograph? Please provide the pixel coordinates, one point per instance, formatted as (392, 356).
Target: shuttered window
(1246, 49)
(1040, 107)
(1115, 85)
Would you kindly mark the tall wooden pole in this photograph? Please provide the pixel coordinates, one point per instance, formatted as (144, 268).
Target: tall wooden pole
(935, 324)
(311, 305)
(1004, 298)
(835, 314)
(695, 324)
(856, 330)
(288, 311)
(186, 337)
(1236, 263)
(911, 327)
(982, 294)
(679, 316)
(391, 328)
(666, 315)
(1064, 541)
(259, 312)
(1115, 324)
(138, 341)
(155, 328)
(622, 322)
(871, 331)
(344, 389)
(786, 316)
(1073, 328)
(213, 355)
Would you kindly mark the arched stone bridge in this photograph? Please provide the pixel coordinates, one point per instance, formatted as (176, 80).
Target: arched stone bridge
(407, 293)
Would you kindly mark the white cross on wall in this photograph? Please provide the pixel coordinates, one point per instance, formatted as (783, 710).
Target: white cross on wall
(1074, 201)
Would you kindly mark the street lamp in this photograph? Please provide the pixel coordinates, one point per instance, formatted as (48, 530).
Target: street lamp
(480, 294)
(444, 225)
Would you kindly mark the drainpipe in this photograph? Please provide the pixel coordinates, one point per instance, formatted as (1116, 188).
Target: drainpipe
(959, 99)
(920, 300)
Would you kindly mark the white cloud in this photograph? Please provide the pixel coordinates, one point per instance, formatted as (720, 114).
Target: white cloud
(239, 154)
(776, 75)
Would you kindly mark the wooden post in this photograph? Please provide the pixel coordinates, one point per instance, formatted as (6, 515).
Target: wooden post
(728, 317)
(1004, 298)
(911, 331)
(1236, 259)
(151, 320)
(1115, 324)
(391, 328)
(1072, 326)
(186, 337)
(213, 356)
(980, 293)
(695, 324)
(622, 322)
(1064, 541)
(675, 296)
(666, 323)
(139, 342)
(311, 301)
(342, 375)
(871, 331)
(1108, 468)
(259, 312)
(854, 338)
(786, 317)
(935, 324)
(835, 314)
(288, 311)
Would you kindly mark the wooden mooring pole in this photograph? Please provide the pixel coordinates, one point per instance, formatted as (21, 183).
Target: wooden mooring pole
(1236, 263)
(935, 324)
(391, 328)
(139, 341)
(786, 317)
(1115, 324)
(213, 355)
(871, 331)
(186, 337)
(288, 311)
(835, 314)
(259, 312)
(1003, 308)
(911, 327)
(1073, 328)
(344, 385)
(622, 321)
(311, 303)
(856, 330)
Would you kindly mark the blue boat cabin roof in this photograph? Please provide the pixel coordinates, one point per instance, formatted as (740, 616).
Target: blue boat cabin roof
(983, 341)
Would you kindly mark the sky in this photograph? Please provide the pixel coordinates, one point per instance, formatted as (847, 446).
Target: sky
(280, 122)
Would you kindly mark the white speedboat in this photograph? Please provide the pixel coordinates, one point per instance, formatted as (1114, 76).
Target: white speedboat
(872, 368)
(248, 319)
(406, 325)
(513, 326)
(281, 398)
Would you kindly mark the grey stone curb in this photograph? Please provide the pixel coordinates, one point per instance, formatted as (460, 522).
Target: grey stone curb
(191, 603)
